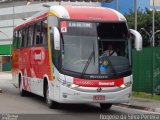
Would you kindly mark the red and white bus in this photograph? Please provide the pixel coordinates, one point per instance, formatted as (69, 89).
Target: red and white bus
(60, 54)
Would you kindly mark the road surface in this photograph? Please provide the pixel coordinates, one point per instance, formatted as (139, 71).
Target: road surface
(11, 102)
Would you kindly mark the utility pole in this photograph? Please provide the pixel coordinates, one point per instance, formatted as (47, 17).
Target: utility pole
(13, 14)
(117, 5)
(153, 25)
(153, 44)
(135, 10)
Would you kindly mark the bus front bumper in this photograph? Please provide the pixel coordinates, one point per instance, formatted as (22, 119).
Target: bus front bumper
(68, 95)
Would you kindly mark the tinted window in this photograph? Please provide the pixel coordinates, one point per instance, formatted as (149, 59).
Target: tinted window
(30, 35)
(44, 32)
(15, 39)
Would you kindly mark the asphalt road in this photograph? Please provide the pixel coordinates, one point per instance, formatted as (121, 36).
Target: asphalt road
(11, 102)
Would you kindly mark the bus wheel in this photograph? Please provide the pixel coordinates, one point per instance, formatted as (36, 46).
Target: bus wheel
(105, 106)
(21, 90)
(50, 103)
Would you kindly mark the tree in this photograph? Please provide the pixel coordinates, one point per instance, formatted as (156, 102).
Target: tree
(145, 22)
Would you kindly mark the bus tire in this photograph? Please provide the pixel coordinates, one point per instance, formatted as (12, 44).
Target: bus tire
(105, 106)
(51, 104)
(21, 90)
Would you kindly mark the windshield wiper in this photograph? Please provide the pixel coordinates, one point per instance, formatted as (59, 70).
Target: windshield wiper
(88, 61)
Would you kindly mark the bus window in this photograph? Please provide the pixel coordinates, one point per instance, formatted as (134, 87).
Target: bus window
(38, 33)
(15, 39)
(52, 21)
(111, 34)
(34, 36)
(30, 35)
(55, 55)
(23, 38)
(113, 48)
(27, 37)
(44, 32)
(19, 39)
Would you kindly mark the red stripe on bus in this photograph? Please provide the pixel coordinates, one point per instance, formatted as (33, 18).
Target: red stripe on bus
(98, 83)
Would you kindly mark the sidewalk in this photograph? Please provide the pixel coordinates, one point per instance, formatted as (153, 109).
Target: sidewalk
(4, 76)
(143, 104)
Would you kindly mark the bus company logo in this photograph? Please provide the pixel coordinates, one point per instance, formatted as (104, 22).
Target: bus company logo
(99, 89)
(106, 83)
(39, 56)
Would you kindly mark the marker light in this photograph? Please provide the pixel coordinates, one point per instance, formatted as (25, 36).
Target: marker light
(68, 84)
(74, 85)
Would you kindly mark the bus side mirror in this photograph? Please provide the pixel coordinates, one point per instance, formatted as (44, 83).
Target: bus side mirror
(56, 38)
(138, 39)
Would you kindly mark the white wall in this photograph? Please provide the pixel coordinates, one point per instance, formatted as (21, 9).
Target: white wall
(7, 32)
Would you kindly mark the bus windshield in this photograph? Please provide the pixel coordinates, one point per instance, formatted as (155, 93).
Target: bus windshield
(80, 41)
(86, 45)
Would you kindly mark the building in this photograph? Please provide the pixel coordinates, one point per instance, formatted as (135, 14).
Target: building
(14, 12)
(124, 6)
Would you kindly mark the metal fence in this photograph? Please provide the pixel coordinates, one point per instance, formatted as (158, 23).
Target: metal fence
(146, 70)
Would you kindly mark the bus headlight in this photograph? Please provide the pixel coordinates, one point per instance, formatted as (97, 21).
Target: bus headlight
(122, 86)
(125, 85)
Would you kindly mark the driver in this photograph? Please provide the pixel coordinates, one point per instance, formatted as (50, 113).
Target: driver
(110, 51)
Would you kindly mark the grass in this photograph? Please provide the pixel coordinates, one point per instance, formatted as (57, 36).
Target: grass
(145, 95)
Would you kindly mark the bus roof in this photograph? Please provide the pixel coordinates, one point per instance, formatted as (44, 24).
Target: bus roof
(88, 13)
(78, 13)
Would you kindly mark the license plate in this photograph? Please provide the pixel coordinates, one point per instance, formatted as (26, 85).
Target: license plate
(99, 97)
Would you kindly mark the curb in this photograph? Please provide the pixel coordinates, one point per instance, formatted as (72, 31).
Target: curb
(132, 106)
(157, 110)
(139, 107)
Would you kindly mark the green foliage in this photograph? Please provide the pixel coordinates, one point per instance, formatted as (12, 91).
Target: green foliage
(145, 21)
(145, 95)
